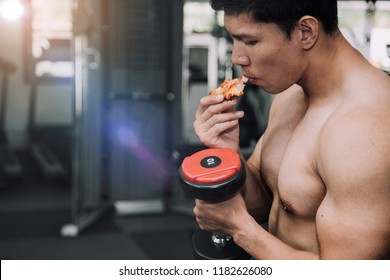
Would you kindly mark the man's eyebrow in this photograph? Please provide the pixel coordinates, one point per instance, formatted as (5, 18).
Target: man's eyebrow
(241, 36)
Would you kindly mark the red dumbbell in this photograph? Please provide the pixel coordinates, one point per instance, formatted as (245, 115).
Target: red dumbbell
(213, 175)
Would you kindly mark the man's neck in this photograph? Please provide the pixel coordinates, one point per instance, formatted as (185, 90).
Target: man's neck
(329, 63)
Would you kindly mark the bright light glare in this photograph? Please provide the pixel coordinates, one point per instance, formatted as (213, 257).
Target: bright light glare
(11, 9)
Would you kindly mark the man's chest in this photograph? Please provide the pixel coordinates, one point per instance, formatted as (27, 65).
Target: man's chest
(289, 166)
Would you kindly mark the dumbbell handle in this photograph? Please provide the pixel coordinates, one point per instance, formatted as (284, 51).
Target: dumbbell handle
(220, 239)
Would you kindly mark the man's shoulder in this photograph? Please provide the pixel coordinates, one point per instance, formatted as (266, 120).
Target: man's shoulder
(360, 120)
(358, 135)
(365, 107)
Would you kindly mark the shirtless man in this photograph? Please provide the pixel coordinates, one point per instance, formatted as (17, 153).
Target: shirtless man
(320, 174)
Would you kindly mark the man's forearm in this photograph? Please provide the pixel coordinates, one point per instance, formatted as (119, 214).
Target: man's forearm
(262, 245)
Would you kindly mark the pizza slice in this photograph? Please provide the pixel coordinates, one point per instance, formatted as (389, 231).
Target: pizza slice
(231, 88)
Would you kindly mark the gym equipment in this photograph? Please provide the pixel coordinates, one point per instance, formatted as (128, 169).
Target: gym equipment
(49, 163)
(213, 175)
(10, 168)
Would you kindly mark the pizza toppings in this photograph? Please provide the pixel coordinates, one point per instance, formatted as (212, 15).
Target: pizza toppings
(231, 88)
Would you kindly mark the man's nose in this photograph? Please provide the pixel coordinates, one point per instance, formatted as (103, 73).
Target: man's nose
(240, 60)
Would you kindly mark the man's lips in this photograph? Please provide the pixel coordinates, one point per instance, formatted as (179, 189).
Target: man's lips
(251, 80)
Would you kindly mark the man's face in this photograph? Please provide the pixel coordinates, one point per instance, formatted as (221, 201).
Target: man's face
(266, 56)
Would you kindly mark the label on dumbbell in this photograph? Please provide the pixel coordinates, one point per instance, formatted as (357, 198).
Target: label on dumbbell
(210, 162)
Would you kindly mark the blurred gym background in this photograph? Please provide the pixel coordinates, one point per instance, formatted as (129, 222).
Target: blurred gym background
(96, 108)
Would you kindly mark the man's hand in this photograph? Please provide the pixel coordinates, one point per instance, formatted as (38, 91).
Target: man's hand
(221, 217)
(216, 122)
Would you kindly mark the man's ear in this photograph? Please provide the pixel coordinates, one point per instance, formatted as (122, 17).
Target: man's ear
(308, 27)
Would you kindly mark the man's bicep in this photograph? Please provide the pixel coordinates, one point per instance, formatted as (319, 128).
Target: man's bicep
(354, 163)
(353, 230)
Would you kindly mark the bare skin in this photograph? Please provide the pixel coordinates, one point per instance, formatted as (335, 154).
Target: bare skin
(320, 173)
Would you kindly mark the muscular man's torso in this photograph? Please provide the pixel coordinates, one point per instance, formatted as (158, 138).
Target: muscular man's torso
(289, 159)
(286, 163)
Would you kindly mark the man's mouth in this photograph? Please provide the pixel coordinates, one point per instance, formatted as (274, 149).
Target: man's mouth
(252, 80)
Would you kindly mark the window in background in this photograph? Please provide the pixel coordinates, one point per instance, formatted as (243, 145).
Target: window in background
(11, 10)
(198, 18)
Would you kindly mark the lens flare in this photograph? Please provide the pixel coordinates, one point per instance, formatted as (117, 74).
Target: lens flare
(155, 165)
(11, 10)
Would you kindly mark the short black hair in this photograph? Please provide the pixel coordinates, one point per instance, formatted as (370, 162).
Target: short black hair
(284, 13)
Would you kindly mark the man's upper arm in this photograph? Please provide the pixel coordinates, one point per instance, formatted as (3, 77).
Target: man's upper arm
(353, 221)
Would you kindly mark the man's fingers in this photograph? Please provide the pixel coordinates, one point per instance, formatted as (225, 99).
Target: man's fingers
(211, 105)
